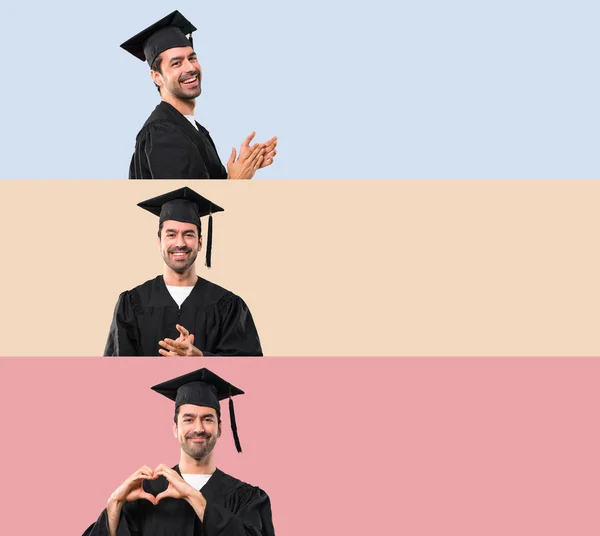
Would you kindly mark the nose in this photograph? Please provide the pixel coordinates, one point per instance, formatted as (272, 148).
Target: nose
(199, 426)
(188, 65)
(180, 242)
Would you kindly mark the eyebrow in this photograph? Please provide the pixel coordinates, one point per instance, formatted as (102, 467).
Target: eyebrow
(176, 230)
(203, 416)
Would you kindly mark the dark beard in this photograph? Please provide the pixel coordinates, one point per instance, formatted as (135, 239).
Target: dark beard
(199, 452)
(180, 268)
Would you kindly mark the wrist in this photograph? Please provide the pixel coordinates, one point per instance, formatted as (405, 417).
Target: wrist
(114, 505)
(195, 497)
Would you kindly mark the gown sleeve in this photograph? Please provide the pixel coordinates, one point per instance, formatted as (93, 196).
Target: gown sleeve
(252, 516)
(164, 151)
(123, 337)
(234, 333)
(127, 525)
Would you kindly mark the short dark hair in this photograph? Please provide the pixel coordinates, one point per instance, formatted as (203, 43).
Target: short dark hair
(199, 227)
(156, 66)
(177, 414)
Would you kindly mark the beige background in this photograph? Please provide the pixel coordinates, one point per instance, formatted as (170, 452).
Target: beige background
(342, 268)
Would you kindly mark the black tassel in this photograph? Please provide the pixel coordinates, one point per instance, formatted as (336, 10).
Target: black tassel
(191, 40)
(209, 242)
(234, 426)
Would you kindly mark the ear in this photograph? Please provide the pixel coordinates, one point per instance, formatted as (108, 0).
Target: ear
(158, 242)
(156, 78)
(200, 243)
(219, 430)
(175, 429)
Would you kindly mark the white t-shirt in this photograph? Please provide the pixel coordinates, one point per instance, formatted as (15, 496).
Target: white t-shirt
(179, 294)
(196, 481)
(191, 119)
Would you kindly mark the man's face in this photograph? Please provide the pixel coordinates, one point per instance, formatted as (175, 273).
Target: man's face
(180, 74)
(179, 245)
(197, 430)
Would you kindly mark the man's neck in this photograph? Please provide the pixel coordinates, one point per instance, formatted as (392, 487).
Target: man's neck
(183, 106)
(190, 466)
(175, 279)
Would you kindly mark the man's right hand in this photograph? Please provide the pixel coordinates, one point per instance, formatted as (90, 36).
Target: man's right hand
(248, 162)
(132, 490)
(128, 491)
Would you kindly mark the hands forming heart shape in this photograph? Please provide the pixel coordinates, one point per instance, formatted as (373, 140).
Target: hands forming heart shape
(132, 489)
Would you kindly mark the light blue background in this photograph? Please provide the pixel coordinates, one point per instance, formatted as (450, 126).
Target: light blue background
(377, 89)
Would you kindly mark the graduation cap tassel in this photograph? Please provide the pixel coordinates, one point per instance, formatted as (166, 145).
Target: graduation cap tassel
(191, 40)
(234, 426)
(209, 242)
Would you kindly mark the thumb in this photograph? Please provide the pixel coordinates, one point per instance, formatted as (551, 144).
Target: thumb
(249, 138)
(148, 497)
(232, 157)
(182, 330)
(163, 495)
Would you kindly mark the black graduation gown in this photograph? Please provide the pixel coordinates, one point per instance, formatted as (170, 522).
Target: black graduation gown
(169, 147)
(219, 320)
(233, 508)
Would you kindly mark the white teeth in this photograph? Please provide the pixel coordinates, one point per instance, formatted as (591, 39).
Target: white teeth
(190, 80)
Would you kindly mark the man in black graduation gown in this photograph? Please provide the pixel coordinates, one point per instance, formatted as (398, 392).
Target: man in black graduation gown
(179, 313)
(171, 144)
(195, 497)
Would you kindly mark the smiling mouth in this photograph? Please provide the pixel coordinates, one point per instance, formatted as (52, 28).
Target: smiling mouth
(197, 438)
(179, 254)
(190, 81)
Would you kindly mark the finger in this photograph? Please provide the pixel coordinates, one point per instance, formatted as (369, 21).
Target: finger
(248, 139)
(168, 347)
(148, 497)
(137, 480)
(272, 142)
(140, 474)
(167, 472)
(266, 162)
(182, 330)
(232, 157)
(258, 163)
(166, 353)
(144, 470)
(192, 339)
(170, 342)
(174, 346)
(162, 466)
(258, 156)
(253, 153)
(168, 494)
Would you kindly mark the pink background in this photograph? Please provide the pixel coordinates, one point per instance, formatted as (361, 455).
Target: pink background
(342, 446)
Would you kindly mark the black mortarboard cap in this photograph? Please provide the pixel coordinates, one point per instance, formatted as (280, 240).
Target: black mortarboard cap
(187, 206)
(202, 388)
(168, 32)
